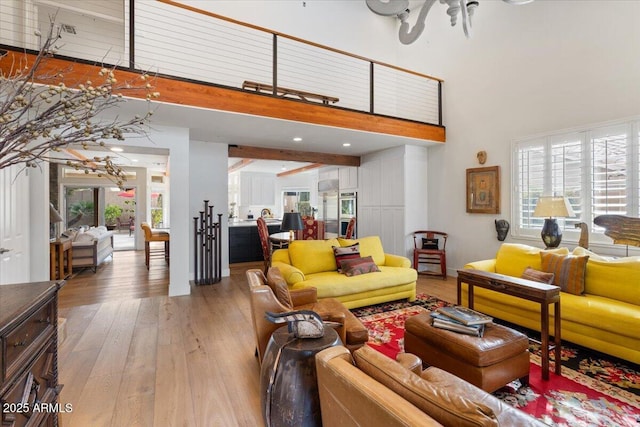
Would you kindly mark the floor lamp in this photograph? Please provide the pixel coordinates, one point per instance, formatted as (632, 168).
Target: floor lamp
(550, 208)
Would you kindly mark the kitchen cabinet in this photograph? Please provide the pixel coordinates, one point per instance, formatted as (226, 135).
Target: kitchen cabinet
(257, 189)
(328, 173)
(244, 243)
(348, 177)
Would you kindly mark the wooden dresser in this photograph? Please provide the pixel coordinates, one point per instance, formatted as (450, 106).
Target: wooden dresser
(29, 354)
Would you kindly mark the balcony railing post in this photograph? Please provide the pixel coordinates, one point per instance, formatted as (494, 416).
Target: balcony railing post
(275, 65)
(440, 103)
(371, 87)
(132, 44)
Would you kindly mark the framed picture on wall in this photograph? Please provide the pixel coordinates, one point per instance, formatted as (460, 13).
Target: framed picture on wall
(483, 190)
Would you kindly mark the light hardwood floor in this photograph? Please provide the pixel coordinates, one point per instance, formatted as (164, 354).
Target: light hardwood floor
(135, 357)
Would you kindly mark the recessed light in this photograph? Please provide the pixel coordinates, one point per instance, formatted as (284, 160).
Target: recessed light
(117, 149)
(134, 160)
(297, 139)
(346, 144)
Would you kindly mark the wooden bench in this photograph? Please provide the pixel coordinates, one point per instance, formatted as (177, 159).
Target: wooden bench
(282, 92)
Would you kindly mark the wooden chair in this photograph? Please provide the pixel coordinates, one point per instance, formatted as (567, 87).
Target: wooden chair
(430, 249)
(263, 233)
(351, 227)
(154, 236)
(313, 230)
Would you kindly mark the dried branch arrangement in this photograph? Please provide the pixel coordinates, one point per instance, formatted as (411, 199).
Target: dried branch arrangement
(41, 117)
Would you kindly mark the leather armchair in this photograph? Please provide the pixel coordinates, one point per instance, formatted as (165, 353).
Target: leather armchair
(267, 295)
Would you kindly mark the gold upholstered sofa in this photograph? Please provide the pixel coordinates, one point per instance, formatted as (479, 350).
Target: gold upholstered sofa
(312, 263)
(603, 315)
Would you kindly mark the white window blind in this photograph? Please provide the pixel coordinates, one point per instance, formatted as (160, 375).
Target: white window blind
(596, 168)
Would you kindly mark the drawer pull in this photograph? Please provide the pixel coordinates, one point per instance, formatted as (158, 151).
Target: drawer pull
(20, 343)
(47, 320)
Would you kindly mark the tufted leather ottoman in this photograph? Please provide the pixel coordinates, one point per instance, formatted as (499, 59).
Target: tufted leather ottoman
(490, 362)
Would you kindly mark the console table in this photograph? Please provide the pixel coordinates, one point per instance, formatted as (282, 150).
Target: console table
(29, 354)
(61, 262)
(526, 289)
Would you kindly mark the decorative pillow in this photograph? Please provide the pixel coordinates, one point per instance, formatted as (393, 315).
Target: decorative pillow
(429, 243)
(345, 252)
(356, 266)
(569, 271)
(538, 276)
(279, 287)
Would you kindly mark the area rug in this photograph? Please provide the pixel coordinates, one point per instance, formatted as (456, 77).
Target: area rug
(594, 389)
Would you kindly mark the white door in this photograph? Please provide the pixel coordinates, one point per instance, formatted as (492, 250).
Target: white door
(14, 226)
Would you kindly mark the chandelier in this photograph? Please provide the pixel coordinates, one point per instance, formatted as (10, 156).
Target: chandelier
(400, 9)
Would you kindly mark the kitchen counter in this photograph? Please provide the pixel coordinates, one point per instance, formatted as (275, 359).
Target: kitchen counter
(244, 241)
(236, 222)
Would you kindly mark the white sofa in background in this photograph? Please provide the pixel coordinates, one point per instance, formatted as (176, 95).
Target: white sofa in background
(90, 246)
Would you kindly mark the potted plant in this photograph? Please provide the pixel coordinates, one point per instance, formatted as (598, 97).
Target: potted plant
(111, 215)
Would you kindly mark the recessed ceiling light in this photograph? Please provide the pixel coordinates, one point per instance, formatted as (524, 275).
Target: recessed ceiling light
(134, 160)
(284, 168)
(117, 149)
(346, 144)
(297, 139)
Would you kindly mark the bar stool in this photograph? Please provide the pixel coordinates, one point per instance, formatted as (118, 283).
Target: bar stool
(154, 236)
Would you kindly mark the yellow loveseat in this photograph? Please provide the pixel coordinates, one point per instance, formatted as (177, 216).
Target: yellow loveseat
(311, 263)
(605, 318)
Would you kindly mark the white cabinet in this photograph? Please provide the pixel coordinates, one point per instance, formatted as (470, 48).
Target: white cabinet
(328, 173)
(348, 177)
(257, 189)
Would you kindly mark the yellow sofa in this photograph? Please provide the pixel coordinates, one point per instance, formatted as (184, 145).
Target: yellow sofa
(311, 263)
(605, 318)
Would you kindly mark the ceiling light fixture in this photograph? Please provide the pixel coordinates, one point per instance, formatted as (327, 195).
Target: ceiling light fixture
(346, 144)
(400, 9)
(297, 139)
(117, 149)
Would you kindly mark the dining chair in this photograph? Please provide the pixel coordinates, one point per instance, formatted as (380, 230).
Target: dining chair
(351, 227)
(263, 233)
(313, 230)
(430, 249)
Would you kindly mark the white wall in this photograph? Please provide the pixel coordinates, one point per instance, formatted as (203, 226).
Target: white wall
(540, 67)
(207, 169)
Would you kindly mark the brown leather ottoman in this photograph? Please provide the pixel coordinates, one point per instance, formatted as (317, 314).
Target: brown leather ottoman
(490, 362)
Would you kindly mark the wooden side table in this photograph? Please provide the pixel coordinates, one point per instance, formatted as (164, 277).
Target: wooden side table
(288, 383)
(61, 254)
(526, 289)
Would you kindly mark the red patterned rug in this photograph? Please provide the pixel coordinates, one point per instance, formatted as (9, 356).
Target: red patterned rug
(594, 389)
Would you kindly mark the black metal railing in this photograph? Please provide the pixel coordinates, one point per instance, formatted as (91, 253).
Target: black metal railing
(177, 40)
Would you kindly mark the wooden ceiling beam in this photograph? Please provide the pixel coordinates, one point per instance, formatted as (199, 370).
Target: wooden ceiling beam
(247, 152)
(300, 170)
(239, 165)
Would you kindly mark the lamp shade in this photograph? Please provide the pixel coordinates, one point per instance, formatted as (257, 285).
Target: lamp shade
(291, 221)
(54, 216)
(553, 207)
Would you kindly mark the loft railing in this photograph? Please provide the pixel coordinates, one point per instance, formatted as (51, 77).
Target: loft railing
(180, 41)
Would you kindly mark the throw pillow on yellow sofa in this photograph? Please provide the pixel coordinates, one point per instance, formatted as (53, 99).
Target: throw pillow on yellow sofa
(369, 246)
(514, 258)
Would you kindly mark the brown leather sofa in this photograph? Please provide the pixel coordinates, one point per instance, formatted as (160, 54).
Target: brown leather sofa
(367, 388)
(271, 294)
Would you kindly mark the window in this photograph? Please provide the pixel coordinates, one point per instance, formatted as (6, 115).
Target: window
(596, 168)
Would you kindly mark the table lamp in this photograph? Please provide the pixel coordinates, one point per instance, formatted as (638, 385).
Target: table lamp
(550, 207)
(291, 221)
(54, 219)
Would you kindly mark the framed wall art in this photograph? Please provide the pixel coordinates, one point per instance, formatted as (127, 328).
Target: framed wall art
(483, 190)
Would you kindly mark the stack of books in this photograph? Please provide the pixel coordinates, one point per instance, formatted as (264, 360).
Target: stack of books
(460, 319)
